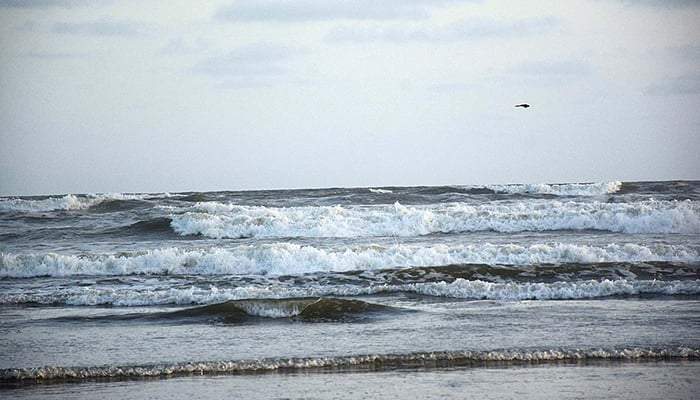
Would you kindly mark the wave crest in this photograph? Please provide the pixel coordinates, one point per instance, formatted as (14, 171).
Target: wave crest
(305, 309)
(478, 289)
(376, 361)
(69, 202)
(308, 309)
(295, 259)
(380, 191)
(562, 189)
(459, 288)
(219, 220)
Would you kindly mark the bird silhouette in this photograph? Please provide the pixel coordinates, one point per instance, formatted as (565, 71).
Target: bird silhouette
(524, 105)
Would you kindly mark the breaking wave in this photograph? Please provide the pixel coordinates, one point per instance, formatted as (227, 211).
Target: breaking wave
(380, 191)
(305, 309)
(155, 225)
(459, 288)
(477, 289)
(295, 259)
(219, 220)
(563, 189)
(437, 359)
(69, 202)
(308, 309)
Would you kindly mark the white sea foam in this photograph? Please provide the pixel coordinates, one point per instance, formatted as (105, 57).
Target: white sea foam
(380, 191)
(460, 288)
(287, 308)
(219, 220)
(563, 189)
(273, 310)
(477, 289)
(291, 259)
(376, 361)
(69, 201)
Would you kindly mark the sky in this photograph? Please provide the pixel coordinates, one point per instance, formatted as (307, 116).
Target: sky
(149, 96)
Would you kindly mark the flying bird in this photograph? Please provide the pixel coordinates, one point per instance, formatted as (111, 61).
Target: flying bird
(524, 105)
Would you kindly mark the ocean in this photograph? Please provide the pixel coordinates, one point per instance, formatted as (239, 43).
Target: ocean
(526, 290)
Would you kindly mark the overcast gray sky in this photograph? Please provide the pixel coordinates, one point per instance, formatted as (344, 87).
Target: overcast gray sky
(107, 96)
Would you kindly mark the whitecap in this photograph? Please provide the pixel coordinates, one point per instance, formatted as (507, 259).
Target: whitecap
(562, 189)
(220, 220)
(292, 259)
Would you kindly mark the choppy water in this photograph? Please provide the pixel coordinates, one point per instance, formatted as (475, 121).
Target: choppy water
(162, 284)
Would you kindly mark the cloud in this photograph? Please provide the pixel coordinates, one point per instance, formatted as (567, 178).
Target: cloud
(659, 3)
(546, 73)
(531, 73)
(49, 3)
(451, 87)
(27, 26)
(681, 85)
(182, 46)
(250, 66)
(472, 28)
(687, 52)
(553, 68)
(48, 55)
(101, 27)
(323, 10)
(259, 59)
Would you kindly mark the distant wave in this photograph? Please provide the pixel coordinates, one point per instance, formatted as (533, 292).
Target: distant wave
(68, 202)
(376, 361)
(459, 288)
(563, 189)
(219, 220)
(293, 259)
(380, 191)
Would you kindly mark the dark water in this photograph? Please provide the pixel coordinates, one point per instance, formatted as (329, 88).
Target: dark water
(125, 286)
